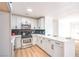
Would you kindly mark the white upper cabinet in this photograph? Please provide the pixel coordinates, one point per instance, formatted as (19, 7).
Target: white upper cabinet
(31, 21)
(19, 21)
(16, 22)
(13, 22)
(41, 23)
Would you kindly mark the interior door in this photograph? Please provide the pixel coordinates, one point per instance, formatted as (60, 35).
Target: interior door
(75, 35)
(75, 30)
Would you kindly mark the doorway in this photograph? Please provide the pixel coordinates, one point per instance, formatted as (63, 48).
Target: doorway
(75, 35)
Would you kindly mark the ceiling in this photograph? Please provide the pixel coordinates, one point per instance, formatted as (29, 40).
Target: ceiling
(54, 9)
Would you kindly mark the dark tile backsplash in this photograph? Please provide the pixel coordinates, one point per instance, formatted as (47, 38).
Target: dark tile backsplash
(16, 31)
(38, 31)
(31, 31)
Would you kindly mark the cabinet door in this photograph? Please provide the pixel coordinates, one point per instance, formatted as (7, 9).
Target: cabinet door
(50, 47)
(42, 23)
(33, 23)
(58, 49)
(38, 41)
(12, 50)
(19, 20)
(38, 24)
(13, 22)
(44, 44)
(18, 42)
(34, 39)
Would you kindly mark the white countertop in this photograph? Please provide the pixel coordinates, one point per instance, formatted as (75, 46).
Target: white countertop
(13, 38)
(54, 38)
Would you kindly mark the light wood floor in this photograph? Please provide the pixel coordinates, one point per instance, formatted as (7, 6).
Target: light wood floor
(77, 49)
(33, 51)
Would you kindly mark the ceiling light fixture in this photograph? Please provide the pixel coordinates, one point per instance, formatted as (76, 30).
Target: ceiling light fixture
(30, 10)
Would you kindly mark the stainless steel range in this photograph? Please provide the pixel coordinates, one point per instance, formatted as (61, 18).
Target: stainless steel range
(26, 36)
(26, 42)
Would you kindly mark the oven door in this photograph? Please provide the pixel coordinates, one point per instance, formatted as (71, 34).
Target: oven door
(26, 42)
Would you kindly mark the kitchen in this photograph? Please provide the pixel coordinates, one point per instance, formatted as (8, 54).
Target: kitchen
(34, 33)
(41, 33)
(23, 28)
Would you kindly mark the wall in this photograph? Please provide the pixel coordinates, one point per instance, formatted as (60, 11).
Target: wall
(55, 27)
(64, 28)
(48, 26)
(75, 30)
(65, 25)
(5, 40)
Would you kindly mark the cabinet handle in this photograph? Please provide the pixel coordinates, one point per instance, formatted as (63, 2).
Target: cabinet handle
(41, 41)
(57, 43)
(52, 46)
(49, 40)
(43, 38)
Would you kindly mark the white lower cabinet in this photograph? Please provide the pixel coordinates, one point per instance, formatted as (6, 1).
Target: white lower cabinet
(50, 47)
(39, 41)
(12, 45)
(46, 45)
(18, 41)
(53, 47)
(43, 45)
(59, 49)
(34, 39)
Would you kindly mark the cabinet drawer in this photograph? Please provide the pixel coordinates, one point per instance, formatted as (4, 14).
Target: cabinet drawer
(60, 44)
